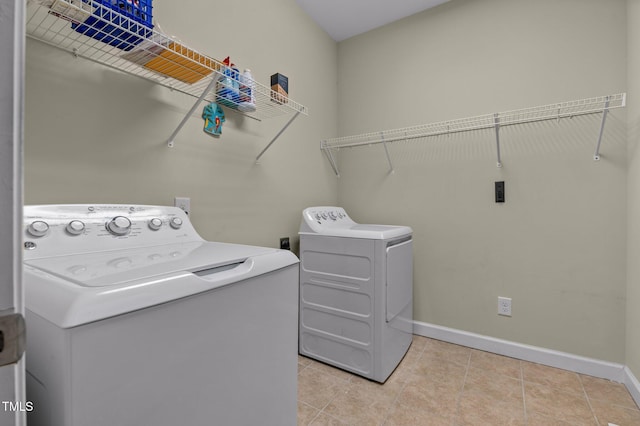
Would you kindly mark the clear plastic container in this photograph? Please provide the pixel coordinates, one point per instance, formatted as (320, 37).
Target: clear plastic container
(227, 88)
(247, 92)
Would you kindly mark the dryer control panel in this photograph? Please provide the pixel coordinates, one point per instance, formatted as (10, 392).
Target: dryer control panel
(319, 219)
(79, 228)
(326, 215)
(334, 221)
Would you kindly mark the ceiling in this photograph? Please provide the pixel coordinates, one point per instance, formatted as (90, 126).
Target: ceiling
(342, 19)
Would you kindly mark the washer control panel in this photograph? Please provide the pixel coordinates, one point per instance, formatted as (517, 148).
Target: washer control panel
(66, 229)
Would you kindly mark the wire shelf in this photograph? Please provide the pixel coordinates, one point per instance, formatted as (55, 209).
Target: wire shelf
(601, 104)
(141, 51)
(487, 121)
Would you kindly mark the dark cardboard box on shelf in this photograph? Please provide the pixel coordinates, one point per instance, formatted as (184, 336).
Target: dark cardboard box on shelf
(279, 85)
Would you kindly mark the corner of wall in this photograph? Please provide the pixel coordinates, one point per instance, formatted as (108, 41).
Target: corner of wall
(632, 340)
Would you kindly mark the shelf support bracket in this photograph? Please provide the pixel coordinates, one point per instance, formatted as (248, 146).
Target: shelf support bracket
(330, 157)
(496, 123)
(605, 111)
(191, 111)
(386, 151)
(277, 136)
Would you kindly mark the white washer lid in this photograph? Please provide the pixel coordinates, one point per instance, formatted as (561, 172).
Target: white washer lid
(67, 302)
(117, 267)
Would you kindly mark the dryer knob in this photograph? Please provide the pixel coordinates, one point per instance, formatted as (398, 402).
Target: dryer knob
(119, 225)
(175, 222)
(38, 228)
(155, 224)
(75, 227)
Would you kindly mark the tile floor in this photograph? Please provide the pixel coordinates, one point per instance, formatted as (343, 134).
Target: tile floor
(439, 383)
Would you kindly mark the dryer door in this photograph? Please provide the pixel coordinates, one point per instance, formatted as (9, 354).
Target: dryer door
(399, 279)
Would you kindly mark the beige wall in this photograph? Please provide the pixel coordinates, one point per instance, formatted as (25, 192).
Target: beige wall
(96, 135)
(557, 246)
(633, 117)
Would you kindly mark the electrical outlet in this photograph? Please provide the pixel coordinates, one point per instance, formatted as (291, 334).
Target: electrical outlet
(184, 203)
(504, 306)
(284, 243)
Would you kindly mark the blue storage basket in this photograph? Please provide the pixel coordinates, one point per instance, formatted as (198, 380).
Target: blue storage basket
(120, 23)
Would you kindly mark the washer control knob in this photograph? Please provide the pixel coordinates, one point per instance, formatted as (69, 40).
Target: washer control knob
(38, 228)
(324, 215)
(119, 225)
(175, 222)
(317, 216)
(75, 227)
(155, 224)
(333, 216)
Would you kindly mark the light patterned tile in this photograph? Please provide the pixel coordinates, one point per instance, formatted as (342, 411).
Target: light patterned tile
(436, 368)
(476, 408)
(494, 385)
(369, 390)
(434, 397)
(329, 369)
(306, 413)
(327, 420)
(442, 384)
(537, 419)
(496, 363)
(303, 360)
(607, 391)
(401, 415)
(447, 351)
(550, 376)
(419, 342)
(358, 410)
(608, 413)
(402, 373)
(555, 403)
(317, 388)
(412, 355)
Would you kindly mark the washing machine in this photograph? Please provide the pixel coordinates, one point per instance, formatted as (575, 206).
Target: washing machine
(356, 292)
(133, 319)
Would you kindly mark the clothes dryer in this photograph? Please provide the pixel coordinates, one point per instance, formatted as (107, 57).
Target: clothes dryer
(133, 319)
(356, 292)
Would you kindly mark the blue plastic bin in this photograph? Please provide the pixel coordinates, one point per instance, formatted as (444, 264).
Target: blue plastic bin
(120, 23)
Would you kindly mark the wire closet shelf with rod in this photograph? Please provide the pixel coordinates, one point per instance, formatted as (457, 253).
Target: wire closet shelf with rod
(557, 111)
(94, 31)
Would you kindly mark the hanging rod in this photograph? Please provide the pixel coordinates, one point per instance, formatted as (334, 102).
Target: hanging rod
(495, 121)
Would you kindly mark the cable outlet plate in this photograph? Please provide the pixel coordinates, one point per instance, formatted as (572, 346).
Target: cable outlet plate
(499, 192)
(504, 306)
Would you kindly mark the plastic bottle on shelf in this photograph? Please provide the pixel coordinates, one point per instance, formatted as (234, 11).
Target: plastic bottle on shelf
(247, 92)
(235, 84)
(223, 88)
(227, 86)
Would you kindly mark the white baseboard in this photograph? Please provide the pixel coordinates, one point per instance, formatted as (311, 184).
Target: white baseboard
(632, 384)
(579, 364)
